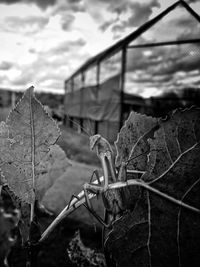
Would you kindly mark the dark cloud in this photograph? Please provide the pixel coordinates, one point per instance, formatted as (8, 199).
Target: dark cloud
(163, 64)
(75, 5)
(105, 25)
(32, 50)
(5, 65)
(192, 1)
(67, 21)
(189, 27)
(29, 24)
(137, 8)
(67, 11)
(186, 64)
(117, 31)
(184, 58)
(68, 6)
(140, 11)
(185, 22)
(68, 46)
(136, 59)
(43, 4)
(155, 79)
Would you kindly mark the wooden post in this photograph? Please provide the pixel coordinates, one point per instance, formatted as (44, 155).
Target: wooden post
(72, 95)
(65, 100)
(82, 99)
(98, 79)
(13, 99)
(96, 125)
(122, 81)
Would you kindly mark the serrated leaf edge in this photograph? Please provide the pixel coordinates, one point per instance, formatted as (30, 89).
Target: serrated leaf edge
(31, 92)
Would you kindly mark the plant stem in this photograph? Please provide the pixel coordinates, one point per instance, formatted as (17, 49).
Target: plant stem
(68, 210)
(154, 190)
(64, 213)
(77, 203)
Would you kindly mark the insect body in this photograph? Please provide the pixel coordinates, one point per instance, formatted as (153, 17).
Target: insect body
(114, 200)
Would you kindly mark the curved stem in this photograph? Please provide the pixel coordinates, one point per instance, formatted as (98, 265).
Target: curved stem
(154, 190)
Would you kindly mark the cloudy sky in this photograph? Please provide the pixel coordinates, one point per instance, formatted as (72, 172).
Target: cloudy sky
(44, 41)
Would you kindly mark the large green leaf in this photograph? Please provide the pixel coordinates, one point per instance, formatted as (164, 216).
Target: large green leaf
(159, 232)
(24, 141)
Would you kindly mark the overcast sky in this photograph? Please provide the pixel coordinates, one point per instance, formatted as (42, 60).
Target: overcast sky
(44, 41)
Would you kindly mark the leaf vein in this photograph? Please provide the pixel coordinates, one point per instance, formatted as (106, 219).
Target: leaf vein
(172, 165)
(149, 223)
(32, 154)
(178, 221)
(167, 149)
(132, 150)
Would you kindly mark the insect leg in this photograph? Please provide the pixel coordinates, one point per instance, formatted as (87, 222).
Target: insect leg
(95, 172)
(105, 170)
(71, 200)
(86, 206)
(111, 165)
(95, 189)
(99, 219)
(122, 172)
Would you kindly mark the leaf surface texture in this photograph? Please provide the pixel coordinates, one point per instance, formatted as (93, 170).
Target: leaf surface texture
(24, 141)
(158, 232)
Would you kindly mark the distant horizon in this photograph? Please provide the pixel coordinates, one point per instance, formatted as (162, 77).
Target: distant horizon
(18, 90)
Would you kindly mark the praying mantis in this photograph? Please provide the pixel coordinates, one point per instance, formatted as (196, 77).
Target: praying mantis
(114, 200)
(112, 186)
